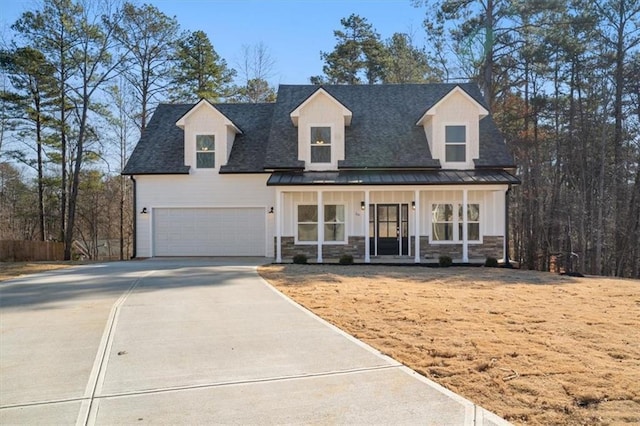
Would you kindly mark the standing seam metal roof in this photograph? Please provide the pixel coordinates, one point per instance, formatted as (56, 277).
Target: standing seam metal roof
(398, 177)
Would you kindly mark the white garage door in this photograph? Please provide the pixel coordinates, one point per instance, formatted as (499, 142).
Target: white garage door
(209, 232)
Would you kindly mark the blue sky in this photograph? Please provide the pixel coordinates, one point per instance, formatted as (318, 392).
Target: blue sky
(294, 31)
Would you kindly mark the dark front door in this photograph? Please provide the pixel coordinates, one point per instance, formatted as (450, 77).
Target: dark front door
(389, 229)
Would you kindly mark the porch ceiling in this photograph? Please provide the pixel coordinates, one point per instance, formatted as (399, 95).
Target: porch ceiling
(397, 177)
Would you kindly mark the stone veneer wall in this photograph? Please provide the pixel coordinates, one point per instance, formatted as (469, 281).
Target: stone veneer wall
(354, 247)
(491, 246)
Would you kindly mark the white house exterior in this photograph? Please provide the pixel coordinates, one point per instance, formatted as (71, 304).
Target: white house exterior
(375, 171)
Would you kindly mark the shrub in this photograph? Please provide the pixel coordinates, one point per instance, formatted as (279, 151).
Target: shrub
(445, 261)
(300, 259)
(346, 259)
(491, 262)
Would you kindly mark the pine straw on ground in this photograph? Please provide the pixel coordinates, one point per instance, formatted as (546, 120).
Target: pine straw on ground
(533, 347)
(9, 270)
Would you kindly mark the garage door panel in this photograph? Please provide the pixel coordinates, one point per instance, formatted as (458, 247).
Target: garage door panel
(209, 232)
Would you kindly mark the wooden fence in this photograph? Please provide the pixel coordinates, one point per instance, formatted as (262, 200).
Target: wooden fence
(28, 251)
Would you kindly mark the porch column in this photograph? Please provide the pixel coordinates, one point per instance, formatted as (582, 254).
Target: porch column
(278, 219)
(465, 231)
(367, 236)
(416, 254)
(505, 243)
(320, 225)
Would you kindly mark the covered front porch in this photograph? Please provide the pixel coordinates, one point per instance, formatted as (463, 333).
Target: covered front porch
(419, 215)
(389, 223)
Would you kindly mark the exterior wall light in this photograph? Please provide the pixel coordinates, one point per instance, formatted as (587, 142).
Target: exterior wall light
(271, 210)
(361, 205)
(144, 210)
(413, 205)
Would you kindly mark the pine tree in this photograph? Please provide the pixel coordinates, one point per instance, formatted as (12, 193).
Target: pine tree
(200, 73)
(359, 55)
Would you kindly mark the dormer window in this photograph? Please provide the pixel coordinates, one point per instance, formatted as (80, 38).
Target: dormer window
(455, 144)
(321, 144)
(205, 151)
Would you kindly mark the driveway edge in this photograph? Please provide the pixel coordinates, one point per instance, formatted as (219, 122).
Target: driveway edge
(474, 414)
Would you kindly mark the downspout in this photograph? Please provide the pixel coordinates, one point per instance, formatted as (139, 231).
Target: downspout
(135, 218)
(507, 264)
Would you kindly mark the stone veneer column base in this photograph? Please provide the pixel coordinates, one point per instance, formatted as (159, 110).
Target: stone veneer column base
(355, 247)
(492, 246)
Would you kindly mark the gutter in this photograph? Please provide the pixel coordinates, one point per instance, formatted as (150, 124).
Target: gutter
(507, 264)
(135, 218)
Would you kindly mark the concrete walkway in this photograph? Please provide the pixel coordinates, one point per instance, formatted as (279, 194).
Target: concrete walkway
(188, 341)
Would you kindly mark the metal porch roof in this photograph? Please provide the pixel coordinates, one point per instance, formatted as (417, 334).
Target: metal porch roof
(398, 177)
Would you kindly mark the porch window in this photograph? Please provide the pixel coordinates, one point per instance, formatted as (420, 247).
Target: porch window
(321, 144)
(308, 223)
(442, 222)
(455, 142)
(205, 152)
(473, 222)
(447, 227)
(334, 222)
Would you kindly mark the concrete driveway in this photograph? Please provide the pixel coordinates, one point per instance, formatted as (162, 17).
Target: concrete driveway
(186, 341)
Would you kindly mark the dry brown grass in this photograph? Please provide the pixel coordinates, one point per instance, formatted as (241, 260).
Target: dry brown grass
(10, 270)
(535, 348)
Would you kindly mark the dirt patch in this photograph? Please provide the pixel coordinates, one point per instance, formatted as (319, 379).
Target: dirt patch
(10, 270)
(535, 348)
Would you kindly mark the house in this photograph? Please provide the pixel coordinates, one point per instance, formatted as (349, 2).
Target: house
(412, 171)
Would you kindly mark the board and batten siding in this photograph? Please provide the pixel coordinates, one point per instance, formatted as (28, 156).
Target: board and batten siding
(206, 120)
(491, 208)
(200, 190)
(321, 112)
(491, 201)
(456, 109)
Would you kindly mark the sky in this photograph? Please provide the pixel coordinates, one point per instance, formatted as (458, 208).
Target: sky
(294, 31)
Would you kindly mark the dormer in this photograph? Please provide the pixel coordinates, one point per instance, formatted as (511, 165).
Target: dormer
(452, 127)
(321, 120)
(208, 137)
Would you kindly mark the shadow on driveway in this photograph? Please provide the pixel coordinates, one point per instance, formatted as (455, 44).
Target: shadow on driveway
(45, 290)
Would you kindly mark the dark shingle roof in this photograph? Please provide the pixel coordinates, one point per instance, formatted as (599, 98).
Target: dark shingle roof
(396, 177)
(247, 154)
(382, 135)
(493, 148)
(160, 149)
(383, 131)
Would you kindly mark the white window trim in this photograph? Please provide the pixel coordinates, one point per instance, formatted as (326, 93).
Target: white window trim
(344, 223)
(215, 152)
(296, 223)
(466, 143)
(456, 223)
(321, 166)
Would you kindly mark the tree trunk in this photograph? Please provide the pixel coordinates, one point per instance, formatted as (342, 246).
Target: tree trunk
(618, 170)
(73, 197)
(41, 228)
(487, 63)
(63, 144)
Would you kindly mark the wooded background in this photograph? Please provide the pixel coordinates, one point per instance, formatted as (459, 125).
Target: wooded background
(80, 80)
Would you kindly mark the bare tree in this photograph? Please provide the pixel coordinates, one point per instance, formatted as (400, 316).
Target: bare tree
(254, 69)
(150, 36)
(121, 123)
